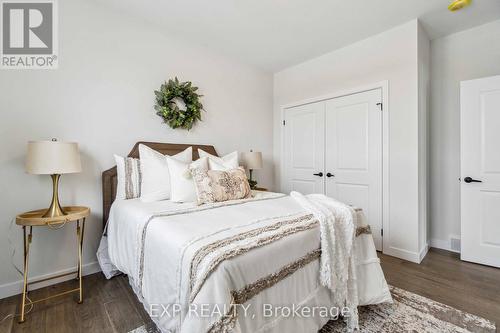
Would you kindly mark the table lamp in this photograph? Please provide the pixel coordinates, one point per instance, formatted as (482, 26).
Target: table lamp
(253, 161)
(53, 158)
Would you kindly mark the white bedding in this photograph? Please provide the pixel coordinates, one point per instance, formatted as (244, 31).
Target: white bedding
(154, 244)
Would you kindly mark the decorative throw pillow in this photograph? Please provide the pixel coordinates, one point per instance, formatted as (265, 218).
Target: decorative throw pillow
(128, 172)
(155, 183)
(227, 162)
(217, 186)
(181, 181)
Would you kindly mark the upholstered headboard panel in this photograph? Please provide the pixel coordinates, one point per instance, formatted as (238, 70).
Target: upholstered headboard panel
(109, 178)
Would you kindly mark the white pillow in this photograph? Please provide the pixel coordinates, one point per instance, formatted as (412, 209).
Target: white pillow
(213, 165)
(181, 181)
(155, 183)
(128, 172)
(229, 161)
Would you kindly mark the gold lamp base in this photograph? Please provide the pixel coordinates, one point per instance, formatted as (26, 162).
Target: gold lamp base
(55, 208)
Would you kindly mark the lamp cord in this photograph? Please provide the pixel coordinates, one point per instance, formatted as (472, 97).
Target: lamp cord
(13, 253)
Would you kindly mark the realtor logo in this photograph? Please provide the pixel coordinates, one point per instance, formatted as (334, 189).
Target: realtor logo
(29, 35)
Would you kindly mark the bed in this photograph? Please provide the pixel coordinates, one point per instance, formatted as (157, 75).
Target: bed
(249, 265)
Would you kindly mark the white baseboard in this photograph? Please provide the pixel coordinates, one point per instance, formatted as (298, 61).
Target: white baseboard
(415, 257)
(403, 254)
(423, 252)
(442, 244)
(15, 288)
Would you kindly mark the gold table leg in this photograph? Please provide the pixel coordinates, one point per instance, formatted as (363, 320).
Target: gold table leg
(26, 241)
(79, 232)
(27, 237)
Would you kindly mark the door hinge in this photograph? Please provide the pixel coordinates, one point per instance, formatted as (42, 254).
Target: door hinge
(284, 122)
(381, 106)
(381, 232)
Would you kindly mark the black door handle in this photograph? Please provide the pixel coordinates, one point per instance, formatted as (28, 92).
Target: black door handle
(320, 174)
(330, 175)
(471, 180)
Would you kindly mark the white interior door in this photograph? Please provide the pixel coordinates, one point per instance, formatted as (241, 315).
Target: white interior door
(304, 144)
(353, 160)
(480, 170)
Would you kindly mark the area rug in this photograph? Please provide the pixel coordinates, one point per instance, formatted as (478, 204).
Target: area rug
(413, 313)
(409, 313)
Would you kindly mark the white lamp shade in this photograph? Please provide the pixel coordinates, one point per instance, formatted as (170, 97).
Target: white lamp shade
(52, 157)
(253, 160)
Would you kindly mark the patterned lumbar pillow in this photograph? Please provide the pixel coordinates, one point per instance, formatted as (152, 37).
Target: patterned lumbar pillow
(218, 185)
(128, 172)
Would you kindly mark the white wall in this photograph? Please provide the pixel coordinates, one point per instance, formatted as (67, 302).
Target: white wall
(390, 56)
(466, 55)
(101, 97)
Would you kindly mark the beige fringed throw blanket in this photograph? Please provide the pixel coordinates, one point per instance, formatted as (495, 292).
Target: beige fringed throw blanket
(337, 263)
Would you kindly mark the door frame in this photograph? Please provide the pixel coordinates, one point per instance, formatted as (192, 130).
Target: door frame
(384, 86)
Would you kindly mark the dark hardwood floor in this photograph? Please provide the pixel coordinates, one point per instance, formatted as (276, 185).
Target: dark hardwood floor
(111, 306)
(444, 278)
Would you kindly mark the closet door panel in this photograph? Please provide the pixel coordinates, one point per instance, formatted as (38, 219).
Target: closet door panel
(351, 123)
(353, 154)
(357, 195)
(304, 148)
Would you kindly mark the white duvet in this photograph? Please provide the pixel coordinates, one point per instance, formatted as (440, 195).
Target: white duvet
(155, 243)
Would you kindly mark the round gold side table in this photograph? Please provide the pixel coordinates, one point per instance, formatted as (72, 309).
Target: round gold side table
(34, 218)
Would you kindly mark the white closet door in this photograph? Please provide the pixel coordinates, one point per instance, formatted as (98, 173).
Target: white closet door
(480, 168)
(353, 163)
(304, 146)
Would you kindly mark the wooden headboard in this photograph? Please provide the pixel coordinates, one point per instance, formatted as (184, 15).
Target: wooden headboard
(109, 178)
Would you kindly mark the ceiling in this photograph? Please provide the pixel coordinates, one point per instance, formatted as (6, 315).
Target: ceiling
(275, 34)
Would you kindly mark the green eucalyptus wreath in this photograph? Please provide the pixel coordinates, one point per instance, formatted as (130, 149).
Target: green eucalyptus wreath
(167, 108)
